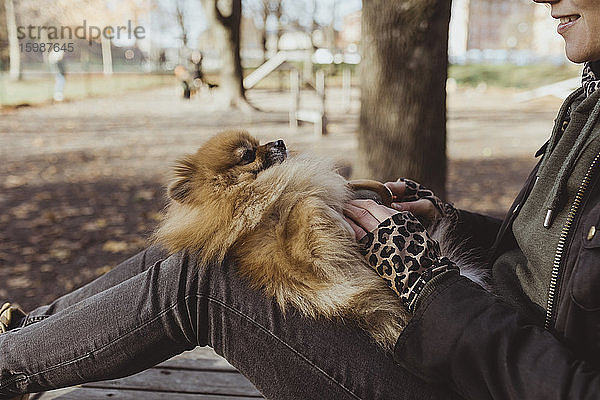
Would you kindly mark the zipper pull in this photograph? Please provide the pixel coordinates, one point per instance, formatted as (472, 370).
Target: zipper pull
(549, 218)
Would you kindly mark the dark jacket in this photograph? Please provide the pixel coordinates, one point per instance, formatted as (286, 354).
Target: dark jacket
(496, 346)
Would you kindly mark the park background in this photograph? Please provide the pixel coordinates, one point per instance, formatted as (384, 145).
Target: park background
(82, 179)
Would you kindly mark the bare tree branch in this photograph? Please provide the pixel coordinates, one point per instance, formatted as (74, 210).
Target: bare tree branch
(179, 15)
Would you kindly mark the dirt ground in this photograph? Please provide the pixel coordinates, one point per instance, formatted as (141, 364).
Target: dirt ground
(82, 183)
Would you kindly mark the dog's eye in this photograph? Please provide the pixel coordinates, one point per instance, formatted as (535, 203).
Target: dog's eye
(248, 156)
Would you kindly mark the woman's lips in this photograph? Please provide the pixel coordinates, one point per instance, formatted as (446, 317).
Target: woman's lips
(566, 22)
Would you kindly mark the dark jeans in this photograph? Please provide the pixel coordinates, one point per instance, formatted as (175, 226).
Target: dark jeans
(152, 307)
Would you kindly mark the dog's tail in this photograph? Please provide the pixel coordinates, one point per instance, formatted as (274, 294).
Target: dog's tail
(469, 260)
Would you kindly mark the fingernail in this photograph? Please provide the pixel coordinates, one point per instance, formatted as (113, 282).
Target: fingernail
(397, 206)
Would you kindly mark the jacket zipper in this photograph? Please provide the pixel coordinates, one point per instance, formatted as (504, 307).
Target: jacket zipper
(554, 279)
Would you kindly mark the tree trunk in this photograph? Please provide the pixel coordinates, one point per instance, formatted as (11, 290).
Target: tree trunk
(231, 87)
(263, 31)
(13, 41)
(263, 43)
(403, 91)
(4, 59)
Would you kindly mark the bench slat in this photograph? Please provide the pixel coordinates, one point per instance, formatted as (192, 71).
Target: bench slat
(121, 394)
(183, 381)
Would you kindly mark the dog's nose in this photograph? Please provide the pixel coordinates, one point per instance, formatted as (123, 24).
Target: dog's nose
(277, 145)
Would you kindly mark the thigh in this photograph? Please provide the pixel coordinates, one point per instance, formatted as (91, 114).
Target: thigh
(293, 357)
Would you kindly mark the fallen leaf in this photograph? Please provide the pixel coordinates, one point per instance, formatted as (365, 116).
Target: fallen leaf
(115, 246)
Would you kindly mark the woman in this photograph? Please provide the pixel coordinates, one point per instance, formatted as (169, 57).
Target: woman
(461, 337)
(545, 256)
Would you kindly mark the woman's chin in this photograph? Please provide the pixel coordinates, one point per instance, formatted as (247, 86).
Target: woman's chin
(578, 55)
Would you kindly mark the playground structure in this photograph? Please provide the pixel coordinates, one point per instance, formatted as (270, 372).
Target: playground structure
(298, 113)
(315, 116)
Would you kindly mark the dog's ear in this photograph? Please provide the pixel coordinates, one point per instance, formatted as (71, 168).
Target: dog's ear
(181, 188)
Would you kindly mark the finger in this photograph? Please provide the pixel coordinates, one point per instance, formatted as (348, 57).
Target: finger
(361, 217)
(380, 212)
(422, 208)
(359, 232)
(398, 188)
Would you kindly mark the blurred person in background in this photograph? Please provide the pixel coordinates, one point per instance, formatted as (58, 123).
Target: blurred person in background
(57, 66)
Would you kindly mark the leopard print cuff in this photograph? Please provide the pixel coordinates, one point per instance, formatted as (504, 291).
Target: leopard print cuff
(402, 253)
(441, 265)
(415, 191)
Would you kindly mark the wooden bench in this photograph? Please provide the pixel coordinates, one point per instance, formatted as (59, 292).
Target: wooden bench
(195, 375)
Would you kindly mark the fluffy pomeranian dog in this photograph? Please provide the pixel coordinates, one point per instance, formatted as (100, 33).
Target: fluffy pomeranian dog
(281, 219)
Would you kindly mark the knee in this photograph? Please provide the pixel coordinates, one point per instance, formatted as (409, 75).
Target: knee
(207, 284)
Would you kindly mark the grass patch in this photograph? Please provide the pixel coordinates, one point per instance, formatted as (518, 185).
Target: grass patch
(504, 75)
(40, 89)
(511, 76)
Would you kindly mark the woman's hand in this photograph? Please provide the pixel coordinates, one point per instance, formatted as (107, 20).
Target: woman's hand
(365, 216)
(420, 201)
(398, 247)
